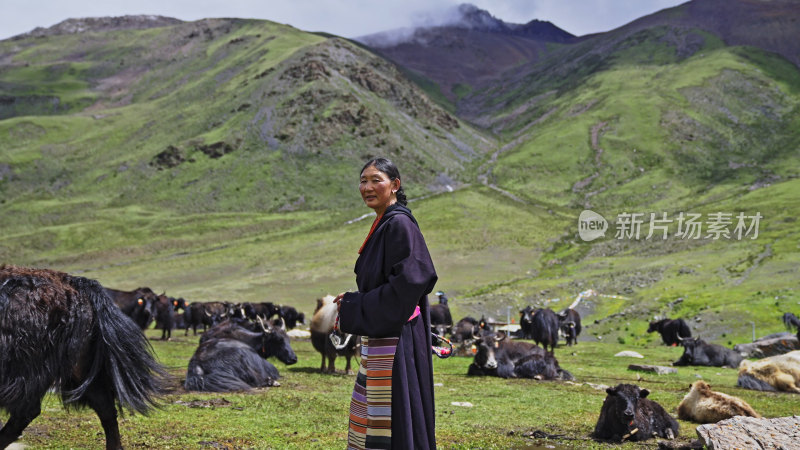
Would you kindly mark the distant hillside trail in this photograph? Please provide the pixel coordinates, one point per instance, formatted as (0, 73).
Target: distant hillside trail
(756, 262)
(486, 169)
(596, 132)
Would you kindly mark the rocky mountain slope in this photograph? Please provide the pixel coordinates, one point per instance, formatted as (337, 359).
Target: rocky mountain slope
(219, 114)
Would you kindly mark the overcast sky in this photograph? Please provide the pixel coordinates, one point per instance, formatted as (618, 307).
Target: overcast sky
(348, 18)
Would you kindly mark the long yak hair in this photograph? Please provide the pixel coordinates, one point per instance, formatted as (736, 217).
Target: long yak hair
(64, 332)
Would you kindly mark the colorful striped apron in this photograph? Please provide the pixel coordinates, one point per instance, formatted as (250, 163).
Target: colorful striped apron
(371, 405)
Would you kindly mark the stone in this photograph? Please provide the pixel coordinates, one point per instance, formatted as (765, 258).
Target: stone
(629, 353)
(768, 347)
(660, 370)
(750, 432)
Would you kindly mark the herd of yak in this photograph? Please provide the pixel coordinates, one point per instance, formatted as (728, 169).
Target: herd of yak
(84, 341)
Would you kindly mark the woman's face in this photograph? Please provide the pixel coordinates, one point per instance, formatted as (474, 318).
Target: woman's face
(377, 190)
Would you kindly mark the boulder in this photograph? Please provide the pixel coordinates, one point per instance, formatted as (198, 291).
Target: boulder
(768, 347)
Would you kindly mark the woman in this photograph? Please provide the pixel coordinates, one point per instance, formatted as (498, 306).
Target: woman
(392, 404)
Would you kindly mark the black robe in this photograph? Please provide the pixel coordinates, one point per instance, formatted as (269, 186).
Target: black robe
(394, 274)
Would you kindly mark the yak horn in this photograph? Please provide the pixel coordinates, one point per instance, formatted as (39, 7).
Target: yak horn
(261, 322)
(283, 324)
(207, 313)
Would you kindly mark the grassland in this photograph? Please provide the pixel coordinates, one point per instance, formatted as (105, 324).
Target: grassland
(309, 409)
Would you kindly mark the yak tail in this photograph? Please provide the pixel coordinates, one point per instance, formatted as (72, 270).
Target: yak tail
(122, 356)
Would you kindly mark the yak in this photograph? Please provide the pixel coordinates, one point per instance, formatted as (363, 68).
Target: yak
(775, 373)
(570, 322)
(206, 314)
(697, 352)
(265, 310)
(64, 332)
(166, 314)
(496, 356)
(526, 322)
(138, 304)
(441, 320)
(545, 328)
(291, 316)
(671, 330)
(627, 414)
(702, 405)
(465, 329)
(233, 358)
(322, 324)
(790, 320)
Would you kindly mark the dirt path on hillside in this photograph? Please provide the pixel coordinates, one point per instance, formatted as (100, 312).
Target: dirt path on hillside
(596, 133)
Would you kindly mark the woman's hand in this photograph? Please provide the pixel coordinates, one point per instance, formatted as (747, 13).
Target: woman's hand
(338, 301)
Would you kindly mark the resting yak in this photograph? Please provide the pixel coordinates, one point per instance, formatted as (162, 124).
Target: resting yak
(64, 332)
(497, 356)
(233, 358)
(628, 415)
(776, 373)
(702, 405)
(697, 352)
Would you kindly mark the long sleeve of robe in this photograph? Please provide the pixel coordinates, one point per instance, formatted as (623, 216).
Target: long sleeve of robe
(394, 274)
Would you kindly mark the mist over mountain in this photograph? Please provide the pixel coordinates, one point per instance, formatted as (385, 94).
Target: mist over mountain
(465, 17)
(464, 47)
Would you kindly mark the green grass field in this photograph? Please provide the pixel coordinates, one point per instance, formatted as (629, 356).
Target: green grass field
(309, 409)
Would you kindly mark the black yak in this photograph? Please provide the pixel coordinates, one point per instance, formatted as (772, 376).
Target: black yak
(697, 352)
(545, 328)
(671, 330)
(500, 357)
(627, 415)
(138, 304)
(232, 358)
(570, 322)
(441, 320)
(791, 321)
(64, 332)
(291, 316)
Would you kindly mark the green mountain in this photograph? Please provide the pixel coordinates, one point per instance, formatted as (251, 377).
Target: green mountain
(217, 160)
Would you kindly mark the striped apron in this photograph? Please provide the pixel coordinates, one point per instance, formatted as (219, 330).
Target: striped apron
(371, 405)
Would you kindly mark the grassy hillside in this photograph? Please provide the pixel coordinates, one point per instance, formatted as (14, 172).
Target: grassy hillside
(216, 160)
(652, 129)
(215, 115)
